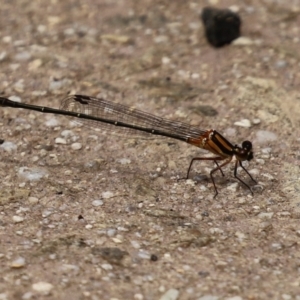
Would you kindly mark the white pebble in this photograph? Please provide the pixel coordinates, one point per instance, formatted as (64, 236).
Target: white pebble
(23, 56)
(144, 255)
(8, 146)
(264, 136)
(171, 294)
(69, 267)
(33, 200)
(233, 187)
(18, 219)
(3, 55)
(60, 141)
(15, 98)
(243, 123)
(135, 244)
(260, 161)
(42, 287)
(47, 212)
(7, 39)
(32, 174)
(97, 203)
(53, 122)
(268, 176)
(266, 150)
(161, 39)
(243, 41)
(124, 161)
(265, 215)
(69, 31)
(58, 84)
(254, 172)
(19, 86)
(117, 241)
(165, 60)
(67, 133)
(235, 298)
(76, 146)
(18, 263)
(107, 195)
(107, 267)
(27, 296)
(111, 232)
(256, 121)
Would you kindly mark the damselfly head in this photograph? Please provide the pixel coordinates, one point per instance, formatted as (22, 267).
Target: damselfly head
(245, 152)
(247, 149)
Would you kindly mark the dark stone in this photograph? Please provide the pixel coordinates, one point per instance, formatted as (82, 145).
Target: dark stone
(222, 26)
(153, 257)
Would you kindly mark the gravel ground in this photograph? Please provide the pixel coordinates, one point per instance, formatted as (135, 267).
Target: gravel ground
(86, 215)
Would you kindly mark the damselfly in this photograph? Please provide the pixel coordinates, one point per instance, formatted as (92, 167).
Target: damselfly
(101, 113)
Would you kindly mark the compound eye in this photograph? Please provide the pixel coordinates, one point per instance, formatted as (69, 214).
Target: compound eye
(246, 145)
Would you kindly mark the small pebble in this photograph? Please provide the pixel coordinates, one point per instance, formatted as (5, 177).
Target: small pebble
(23, 56)
(42, 287)
(15, 98)
(97, 203)
(32, 174)
(3, 55)
(67, 133)
(233, 187)
(33, 200)
(69, 31)
(53, 122)
(18, 263)
(135, 244)
(281, 64)
(260, 161)
(35, 64)
(264, 137)
(265, 215)
(276, 246)
(19, 86)
(243, 123)
(8, 146)
(18, 219)
(107, 195)
(256, 121)
(243, 41)
(55, 85)
(117, 241)
(47, 212)
(76, 146)
(144, 255)
(107, 267)
(60, 141)
(111, 232)
(27, 296)
(209, 297)
(166, 60)
(138, 297)
(159, 39)
(171, 294)
(195, 76)
(124, 161)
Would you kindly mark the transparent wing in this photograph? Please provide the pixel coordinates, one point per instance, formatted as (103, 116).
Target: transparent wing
(117, 112)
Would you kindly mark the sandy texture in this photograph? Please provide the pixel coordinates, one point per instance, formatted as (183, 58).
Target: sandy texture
(90, 216)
